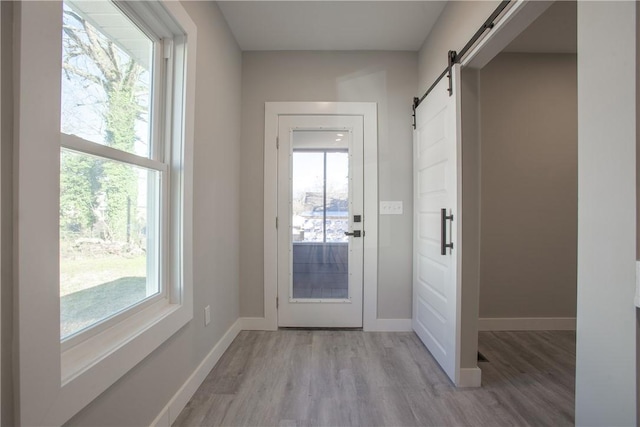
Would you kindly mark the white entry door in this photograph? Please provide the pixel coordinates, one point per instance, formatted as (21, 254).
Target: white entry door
(320, 221)
(436, 280)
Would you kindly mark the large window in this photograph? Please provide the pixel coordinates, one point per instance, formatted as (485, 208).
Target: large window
(112, 168)
(104, 143)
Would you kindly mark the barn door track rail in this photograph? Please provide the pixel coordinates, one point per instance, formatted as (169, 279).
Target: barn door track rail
(454, 57)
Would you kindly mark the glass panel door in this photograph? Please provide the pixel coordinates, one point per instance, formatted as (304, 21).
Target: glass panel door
(320, 223)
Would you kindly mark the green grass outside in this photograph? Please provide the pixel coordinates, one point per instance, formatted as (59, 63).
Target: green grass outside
(83, 273)
(94, 288)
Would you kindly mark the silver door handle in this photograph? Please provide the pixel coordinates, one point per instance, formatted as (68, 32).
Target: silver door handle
(356, 233)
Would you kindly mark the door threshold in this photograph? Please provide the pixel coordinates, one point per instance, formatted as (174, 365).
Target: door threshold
(298, 328)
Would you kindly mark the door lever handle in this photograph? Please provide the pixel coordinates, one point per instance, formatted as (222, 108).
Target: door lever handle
(356, 233)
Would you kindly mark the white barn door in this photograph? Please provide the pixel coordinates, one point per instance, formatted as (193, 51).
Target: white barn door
(436, 250)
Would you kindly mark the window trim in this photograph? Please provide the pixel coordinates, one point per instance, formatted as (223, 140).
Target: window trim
(55, 384)
(160, 139)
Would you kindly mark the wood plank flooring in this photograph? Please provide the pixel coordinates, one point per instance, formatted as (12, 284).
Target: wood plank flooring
(354, 378)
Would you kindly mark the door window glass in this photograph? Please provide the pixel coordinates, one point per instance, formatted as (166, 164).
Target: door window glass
(320, 215)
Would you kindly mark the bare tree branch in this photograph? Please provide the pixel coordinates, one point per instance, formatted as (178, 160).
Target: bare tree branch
(81, 73)
(99, 53)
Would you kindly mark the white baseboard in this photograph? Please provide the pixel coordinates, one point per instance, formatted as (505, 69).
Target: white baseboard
(470, 377)
(391, 325)
(254, 324)
(162, 420)
(527, 324)
(179, 400)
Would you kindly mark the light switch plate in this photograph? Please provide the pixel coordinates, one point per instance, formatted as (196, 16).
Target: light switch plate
(207, 315)
(391, 208)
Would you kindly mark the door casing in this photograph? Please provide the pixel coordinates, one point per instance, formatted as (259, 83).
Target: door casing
(368, 110)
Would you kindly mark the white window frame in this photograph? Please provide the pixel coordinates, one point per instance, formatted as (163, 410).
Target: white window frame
(57, 381)
(158, 160)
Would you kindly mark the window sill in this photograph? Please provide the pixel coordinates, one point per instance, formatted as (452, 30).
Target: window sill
(92, 366)
(82, 357)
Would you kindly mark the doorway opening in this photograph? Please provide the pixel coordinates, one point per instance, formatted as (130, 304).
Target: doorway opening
(505, 187)
(521, 183)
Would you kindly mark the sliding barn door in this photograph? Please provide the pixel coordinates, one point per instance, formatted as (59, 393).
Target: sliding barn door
(436, 250)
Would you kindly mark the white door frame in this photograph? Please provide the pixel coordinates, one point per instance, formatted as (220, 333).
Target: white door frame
(507, 27)
(370, 277)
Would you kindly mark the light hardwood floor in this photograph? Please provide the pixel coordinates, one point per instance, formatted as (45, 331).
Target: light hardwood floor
(349, 378)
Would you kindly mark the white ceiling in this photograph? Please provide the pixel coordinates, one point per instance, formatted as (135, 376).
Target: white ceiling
(555, 31)
(331, 25)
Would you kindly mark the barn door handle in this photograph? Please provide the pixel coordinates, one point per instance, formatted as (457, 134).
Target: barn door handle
(443, 231)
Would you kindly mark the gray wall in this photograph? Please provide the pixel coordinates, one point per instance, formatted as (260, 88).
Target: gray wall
(606, 331)
(529, 206)
(6, 213)
(142, 393)
(388, 78)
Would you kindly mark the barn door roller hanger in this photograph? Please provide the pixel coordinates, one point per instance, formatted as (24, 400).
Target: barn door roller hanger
(454, 58)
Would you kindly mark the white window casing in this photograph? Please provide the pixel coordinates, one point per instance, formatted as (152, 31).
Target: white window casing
(56, 380)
